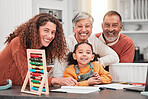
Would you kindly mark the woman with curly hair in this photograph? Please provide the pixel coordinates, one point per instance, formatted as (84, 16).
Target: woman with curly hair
(43, 31)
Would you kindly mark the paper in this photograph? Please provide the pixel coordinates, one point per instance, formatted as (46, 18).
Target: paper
(77, 89)
(144, 93)
(115, 86)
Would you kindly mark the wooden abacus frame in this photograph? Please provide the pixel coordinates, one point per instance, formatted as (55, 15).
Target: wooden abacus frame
(44, 80)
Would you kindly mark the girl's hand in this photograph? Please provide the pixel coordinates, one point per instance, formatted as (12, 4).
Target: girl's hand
(94, 80)
(97, 75)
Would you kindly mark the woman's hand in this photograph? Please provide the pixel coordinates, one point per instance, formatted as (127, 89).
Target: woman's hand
(68, 81)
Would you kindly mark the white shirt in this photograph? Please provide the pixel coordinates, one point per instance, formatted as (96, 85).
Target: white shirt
(59, 68)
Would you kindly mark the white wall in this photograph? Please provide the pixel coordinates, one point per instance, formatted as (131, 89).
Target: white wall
(84, 5)
(112, 4)
(140, 39)
(99, 8)
(12, 14)
(64, 5)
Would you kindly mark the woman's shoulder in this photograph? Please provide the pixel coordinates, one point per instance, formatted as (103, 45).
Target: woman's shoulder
(15, 40)
(15, 45)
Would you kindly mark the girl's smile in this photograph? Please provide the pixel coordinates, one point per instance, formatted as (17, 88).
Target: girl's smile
(83, 55)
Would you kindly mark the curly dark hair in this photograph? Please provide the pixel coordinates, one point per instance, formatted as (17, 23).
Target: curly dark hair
(70, 58)
(30, 39)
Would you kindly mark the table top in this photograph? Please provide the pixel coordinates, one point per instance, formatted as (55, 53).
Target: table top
(15, 93)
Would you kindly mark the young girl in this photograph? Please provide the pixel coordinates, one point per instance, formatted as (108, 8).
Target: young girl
(83, 68)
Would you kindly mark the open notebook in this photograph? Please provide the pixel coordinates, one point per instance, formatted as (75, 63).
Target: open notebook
(139, 88)
(76, 89)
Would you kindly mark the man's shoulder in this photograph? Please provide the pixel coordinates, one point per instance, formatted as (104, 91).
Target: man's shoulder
(125, 38)
(125, 41)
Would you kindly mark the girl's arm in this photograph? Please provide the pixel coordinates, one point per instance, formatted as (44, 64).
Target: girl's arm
(104, 75)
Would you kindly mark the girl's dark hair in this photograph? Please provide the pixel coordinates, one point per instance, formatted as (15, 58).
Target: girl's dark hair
(28, 33)
(70, 58)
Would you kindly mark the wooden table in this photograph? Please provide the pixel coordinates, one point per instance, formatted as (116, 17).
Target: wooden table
(15, 93)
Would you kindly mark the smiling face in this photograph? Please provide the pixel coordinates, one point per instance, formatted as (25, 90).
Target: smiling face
(83, 55)
(111, 27)
(83, 29)
(47, 33)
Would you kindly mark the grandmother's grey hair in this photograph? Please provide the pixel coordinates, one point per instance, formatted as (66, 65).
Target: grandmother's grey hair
(81, 15)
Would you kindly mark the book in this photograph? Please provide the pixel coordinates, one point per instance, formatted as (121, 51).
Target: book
(76, 89)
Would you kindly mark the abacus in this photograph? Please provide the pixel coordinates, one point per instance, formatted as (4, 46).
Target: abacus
(37, 73)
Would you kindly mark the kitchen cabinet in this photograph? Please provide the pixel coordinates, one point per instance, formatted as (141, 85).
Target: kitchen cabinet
(134, 14)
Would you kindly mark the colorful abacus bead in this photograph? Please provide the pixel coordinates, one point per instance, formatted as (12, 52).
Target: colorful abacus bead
(35, 74)
(36, 63)
(35, 55)
(36, 59)
(33, 77)
(36, 67)
(35, 81)
(37, 89)
(34, 70)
